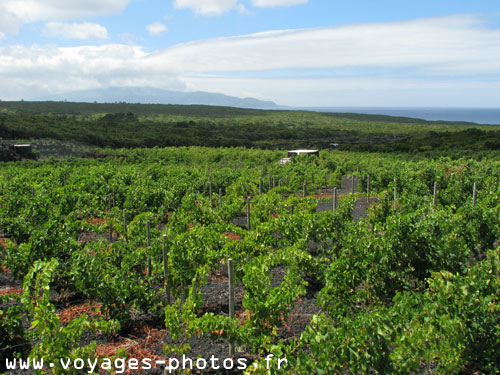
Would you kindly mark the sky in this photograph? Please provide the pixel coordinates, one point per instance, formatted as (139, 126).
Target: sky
(302, 53)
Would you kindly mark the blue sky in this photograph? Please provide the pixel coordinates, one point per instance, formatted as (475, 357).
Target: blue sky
(294, 52)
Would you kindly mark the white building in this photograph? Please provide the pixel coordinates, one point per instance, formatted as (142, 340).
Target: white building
(293, 153)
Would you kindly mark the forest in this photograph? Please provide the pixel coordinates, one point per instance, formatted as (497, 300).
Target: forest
(118, 125)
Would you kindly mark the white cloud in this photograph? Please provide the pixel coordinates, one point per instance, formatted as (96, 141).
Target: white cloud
(156, 28)
(431, 44)
(276, 3)
(28, 72)
(217, 7)
(14, 13)
(8, 21)
(206, 7)
(128, 38)
(80, 31)
(433, 61)
(243, 10)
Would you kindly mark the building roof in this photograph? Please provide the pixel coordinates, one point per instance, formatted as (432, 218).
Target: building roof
(304, 151)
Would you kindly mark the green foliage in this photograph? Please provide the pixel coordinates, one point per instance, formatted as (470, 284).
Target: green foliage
(55, 341)
(358, 345)
(142, 125)
(114, 274)
(412, 287)
(52, 240)
(267, 306)
(472, 138)
(201, 245)
(13, 337)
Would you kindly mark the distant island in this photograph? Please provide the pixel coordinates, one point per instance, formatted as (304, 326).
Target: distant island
(150, 95)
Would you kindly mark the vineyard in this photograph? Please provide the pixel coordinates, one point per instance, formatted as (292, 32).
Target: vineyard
(347, 263)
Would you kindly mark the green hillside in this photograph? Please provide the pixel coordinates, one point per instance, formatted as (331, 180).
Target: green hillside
(150, 125)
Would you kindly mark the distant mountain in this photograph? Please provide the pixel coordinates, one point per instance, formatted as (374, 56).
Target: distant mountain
(149, 95)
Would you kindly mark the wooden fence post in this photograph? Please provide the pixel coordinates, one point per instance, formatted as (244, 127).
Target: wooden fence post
(230, 274)
(304, 191)
(434, 200)
(125, 226)
(474, 194)
(334, 199)
(165, 269)
(368, 189)
(352, 184)
(260, 185)
(395, 193)
(248, 214)
(210, 191)
(148, 244)
(110, 231)
(110, 224)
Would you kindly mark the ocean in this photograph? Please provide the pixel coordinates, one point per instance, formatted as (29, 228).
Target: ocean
(478, 115)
